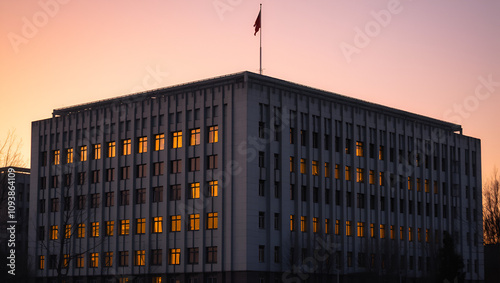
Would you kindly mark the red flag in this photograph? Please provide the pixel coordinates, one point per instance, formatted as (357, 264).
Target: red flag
(257, 24)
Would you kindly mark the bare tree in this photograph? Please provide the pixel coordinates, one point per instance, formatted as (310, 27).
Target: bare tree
(10, 156)
(491, 209)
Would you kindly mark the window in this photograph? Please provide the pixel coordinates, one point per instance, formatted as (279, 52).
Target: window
(176, 166)
(125, 172)
(337, 227)
(303, 137)
(81, 230)
(140, 225)
(292, 135)
(348, 230)
(175, 223)
(127, 147)
(262, 217)
(175, 192)
(110, 174)
(69, 155)
(95, 200)
(158, 194)
(212, 220)
(54, 205)
(194, 191)
(193, 255)
(261, 159)
(43, 158)
(276, 221)
(140, 196)
(157, 226)
(381, 178)
(125, 197)
(108, 259)
(81, 202)
(292, 164)
(213, 134)
(123, 258)
(292, 222)
(327, 226)
(194, 222)
(65, 261)
(83, 153)
(393, 233)
(111, 149)
(303, 224)
(409, 184)
(94, 260)
(194, 164)
(360, 175)
(124, 227)
(96, 151)
(347, 173)
(110, 228)
(156, 257)
(382, 231)
(110, 199)
(159, 142)
(401, 233)
(419, 185)
(315, 168)
(80, 261)
(175, 257)
(213, 188)
(158, 168)
(261, 253)
(95, 176)
(140, 258)
(94, 229)
(327, 170)
(41, 262)
(315, 140)
(426, 186)
(212, 162)
(348, 146)
(359, 149)
(372, 177)
(315, 224)
(67, 231)
(381, 152)
(262, 127)
(410, 234)
(195, 137)
(211, 254)
(54, 232)
(141, 170)
(142, 145)
(303, 166)
(361, 229)
(177, 139)
(337, 171)
(57, 157)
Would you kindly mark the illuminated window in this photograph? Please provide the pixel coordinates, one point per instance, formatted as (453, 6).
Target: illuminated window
(67, 231)
(315, 225)
(177, 139)
(41, 262)
(347, 173)
(327, 226)
(401, 232)
(175, 223)
(159, 142)
(94, 260)
(327, 170)
(410, 234)
(194, 222)
(124, 227)
(111, 149)
(292, 164)
(372, 177)
(361, 229)
(213, 188)
(110, 228)
(83, 153)
(212, 220)
(303, 166)
(213, 134)
(382, 231)
(426, 186)
(315, 168)
(140, 225)
(292, 222)
(303, 224)
(381, 178)
(80, 260)
(419, 185)
(360, 175)
(157, 226)
(381, 152)
(57, 157)
(337, 227)
(337, 171)
(194, 191)
(96, 148)
(127, 147)
(427, 235)
(359, 148)
(94, 229)
(372, 230)
(393, 232)
(143, 145)
(140, 258)
(69, 155)
(409, 184)
(81, 230)
(195, 137)
(174, 257)
(108, 259)
(348, 228)
(54, 231)
(66, 260)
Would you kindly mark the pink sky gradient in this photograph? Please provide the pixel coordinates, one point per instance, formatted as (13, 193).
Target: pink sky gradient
(425, 57)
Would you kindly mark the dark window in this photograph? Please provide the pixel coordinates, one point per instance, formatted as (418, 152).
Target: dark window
(54, 205)
(110, 199)
(67, 203)
(262, 189)
(124, 197)
(303, 194)
(110, 174)
(212, 162)
(82, 201)
(292, 135)
(176, 166)
(43, 183)
(125, 172)
(261, 159)
(140, 196)
(262, 217)
(315, 195)
(96, 199)
(303, 137)
(95, 176)
(175, 192)
(141, 170)
(315, 141)
(41, 233)
(211, 254)
(55, 182)
(156, 257)
(193, 254)
(157, 194)
(158, 168)
(67, 180)
(262, 131)
(194, 164)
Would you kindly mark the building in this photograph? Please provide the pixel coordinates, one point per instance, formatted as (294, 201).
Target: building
(249, 178)
(14, 213)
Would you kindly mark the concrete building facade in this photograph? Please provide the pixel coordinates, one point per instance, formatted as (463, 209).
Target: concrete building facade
(250, 178)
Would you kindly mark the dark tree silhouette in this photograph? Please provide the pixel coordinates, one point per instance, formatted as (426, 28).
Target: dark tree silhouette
(491, 209)
(450, 263)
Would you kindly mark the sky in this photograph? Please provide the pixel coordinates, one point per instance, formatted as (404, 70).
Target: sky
(435, 58)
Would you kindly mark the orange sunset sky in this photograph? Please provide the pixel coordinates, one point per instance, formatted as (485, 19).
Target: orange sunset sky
(435, 58)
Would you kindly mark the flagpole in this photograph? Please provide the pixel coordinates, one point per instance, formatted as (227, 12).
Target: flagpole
(260, 13)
